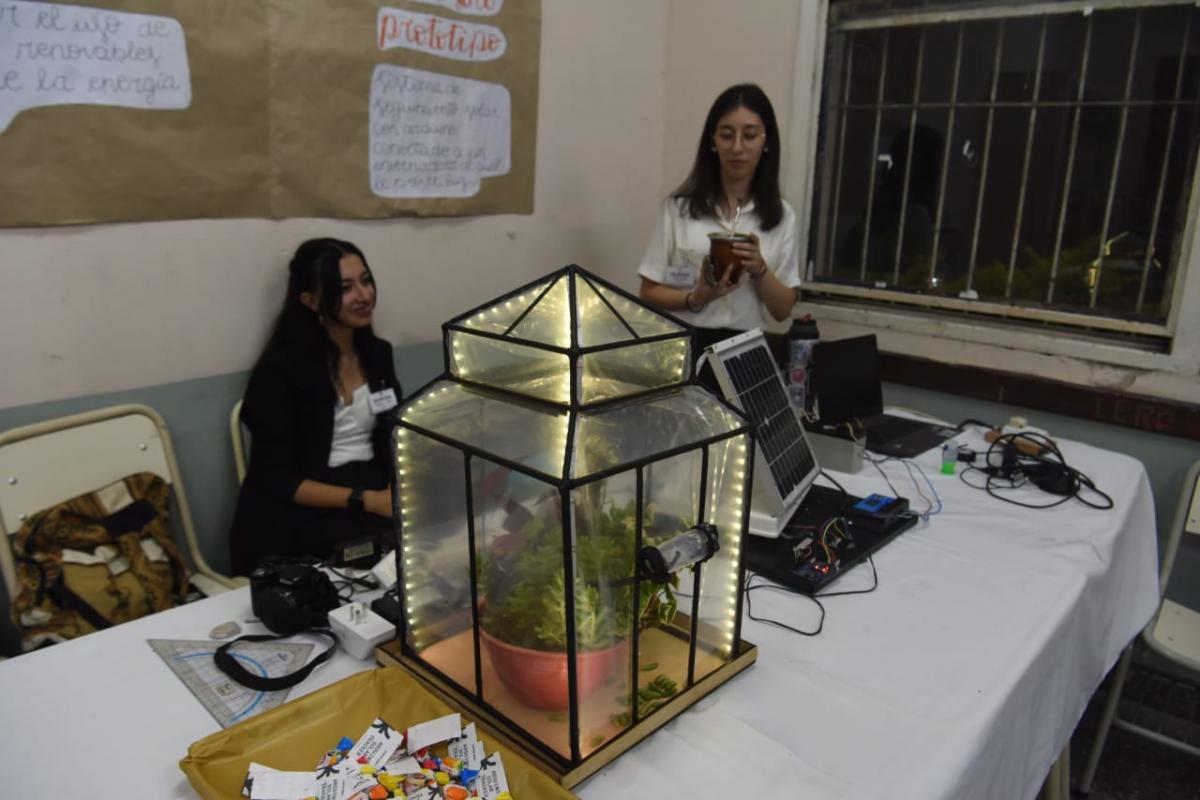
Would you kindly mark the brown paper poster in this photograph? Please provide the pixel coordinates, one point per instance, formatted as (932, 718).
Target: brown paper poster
(424, 106)
(137, 110)
(172, 109)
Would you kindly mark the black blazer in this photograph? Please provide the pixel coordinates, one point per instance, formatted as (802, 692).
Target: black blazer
(288, 407)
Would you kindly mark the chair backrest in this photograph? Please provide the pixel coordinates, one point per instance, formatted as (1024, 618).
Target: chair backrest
(1174, 632)
(239, 434)
(52, 461)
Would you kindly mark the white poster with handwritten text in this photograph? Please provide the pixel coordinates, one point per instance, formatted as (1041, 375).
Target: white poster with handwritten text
(436, 135)
(478, 8)
(54, 54)
(438, 36)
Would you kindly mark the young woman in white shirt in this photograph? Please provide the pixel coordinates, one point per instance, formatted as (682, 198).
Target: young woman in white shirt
(733, 185)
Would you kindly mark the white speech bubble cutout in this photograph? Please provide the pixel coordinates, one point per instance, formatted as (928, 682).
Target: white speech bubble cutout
(436, 135)
(53, 55)
(475, 8)
(438, 36)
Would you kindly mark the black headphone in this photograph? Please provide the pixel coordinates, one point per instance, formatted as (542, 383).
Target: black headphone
(1045, 468)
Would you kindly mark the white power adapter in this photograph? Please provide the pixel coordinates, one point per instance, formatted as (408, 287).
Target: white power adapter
(360, 629)
(385, 570)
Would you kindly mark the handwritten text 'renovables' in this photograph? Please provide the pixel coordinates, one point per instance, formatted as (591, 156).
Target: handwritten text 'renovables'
(427, 33)
(60, 55)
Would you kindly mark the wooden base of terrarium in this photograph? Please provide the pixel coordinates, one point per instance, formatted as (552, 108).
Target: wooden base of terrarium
(594, 758)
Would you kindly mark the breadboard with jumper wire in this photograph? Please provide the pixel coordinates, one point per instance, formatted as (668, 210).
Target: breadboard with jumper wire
(830, 534)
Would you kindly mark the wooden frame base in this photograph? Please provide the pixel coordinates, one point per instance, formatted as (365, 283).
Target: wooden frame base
(391, 655)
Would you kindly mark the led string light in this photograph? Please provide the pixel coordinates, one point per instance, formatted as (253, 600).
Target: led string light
(734, 543)
(730, 459)
(460, 361)
(404, 485)
(681, 358)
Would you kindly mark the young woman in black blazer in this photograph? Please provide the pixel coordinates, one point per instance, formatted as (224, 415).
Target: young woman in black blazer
(317, 407)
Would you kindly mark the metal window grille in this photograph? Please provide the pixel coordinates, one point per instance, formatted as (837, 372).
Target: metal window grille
(1032, 160)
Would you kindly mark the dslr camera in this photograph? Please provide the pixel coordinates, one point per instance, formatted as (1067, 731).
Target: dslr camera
(291, 597)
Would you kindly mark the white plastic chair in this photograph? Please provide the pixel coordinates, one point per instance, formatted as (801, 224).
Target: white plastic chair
(240, 436)
(1173, 633)
(48, 462)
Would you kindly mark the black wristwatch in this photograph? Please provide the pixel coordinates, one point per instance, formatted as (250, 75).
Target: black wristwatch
(355, 501)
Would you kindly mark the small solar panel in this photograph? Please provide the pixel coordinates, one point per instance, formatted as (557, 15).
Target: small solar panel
(749, 378)
(757, 385)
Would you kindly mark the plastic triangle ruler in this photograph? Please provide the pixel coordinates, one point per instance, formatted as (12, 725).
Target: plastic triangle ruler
(229, 702)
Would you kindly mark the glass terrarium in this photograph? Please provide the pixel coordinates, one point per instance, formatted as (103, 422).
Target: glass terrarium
(571, 510)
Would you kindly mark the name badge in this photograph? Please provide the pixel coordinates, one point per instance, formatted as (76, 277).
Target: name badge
(382, 401)
(682, 276)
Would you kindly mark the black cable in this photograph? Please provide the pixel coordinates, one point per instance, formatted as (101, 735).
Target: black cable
(836, 485)
(749, 587)
(344, 591)
(362, 583)
(879, 469)
(874, 583)
(1004, 461)
(346, 583)
(920, 492)
(776, 587)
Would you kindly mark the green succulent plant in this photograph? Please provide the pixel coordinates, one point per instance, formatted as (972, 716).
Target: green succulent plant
(523, 585)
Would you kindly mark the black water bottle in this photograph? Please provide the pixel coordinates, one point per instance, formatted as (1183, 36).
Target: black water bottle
(801, 338)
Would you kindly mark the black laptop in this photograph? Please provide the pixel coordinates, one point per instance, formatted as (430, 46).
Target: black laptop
(845, 375)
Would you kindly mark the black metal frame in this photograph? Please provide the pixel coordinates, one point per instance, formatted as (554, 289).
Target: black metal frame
(565, 484)
(572, 352)
(565, 487)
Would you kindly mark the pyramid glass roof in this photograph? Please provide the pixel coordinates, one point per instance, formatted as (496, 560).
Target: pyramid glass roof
(569, 338)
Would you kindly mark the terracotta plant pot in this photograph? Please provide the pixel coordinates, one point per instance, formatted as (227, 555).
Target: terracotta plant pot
(539, 677)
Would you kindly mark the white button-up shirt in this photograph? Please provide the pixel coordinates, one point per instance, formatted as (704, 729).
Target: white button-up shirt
(679, 244)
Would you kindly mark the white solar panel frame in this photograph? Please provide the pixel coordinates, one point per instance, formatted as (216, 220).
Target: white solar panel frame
(770, 508)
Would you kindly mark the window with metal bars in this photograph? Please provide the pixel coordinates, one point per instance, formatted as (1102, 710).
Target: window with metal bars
(1032, 161)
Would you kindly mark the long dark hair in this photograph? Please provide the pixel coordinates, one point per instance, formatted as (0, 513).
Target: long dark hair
(702, 189)
(316, 268)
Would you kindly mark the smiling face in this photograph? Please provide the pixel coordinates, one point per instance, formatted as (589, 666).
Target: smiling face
(356, 305)
(739, 139)
(358, 293)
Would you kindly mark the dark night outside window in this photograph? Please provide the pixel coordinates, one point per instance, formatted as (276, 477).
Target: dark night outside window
(1038, 158)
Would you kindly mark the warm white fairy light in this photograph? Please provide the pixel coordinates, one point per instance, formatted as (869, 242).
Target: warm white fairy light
(733, 549)
(565, 316)
(457, 350)
(681, 359)
(403, 450)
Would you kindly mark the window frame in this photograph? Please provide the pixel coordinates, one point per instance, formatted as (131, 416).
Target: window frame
(1173, 345)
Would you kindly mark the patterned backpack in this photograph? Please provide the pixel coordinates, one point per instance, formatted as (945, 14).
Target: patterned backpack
(97, 560)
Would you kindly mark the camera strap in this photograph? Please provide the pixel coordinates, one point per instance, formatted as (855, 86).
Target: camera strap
(227, 662)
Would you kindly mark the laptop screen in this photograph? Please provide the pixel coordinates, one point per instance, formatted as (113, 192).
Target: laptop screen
(845, 375)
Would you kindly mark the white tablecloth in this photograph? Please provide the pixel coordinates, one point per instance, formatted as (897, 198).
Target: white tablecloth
(962, 675)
